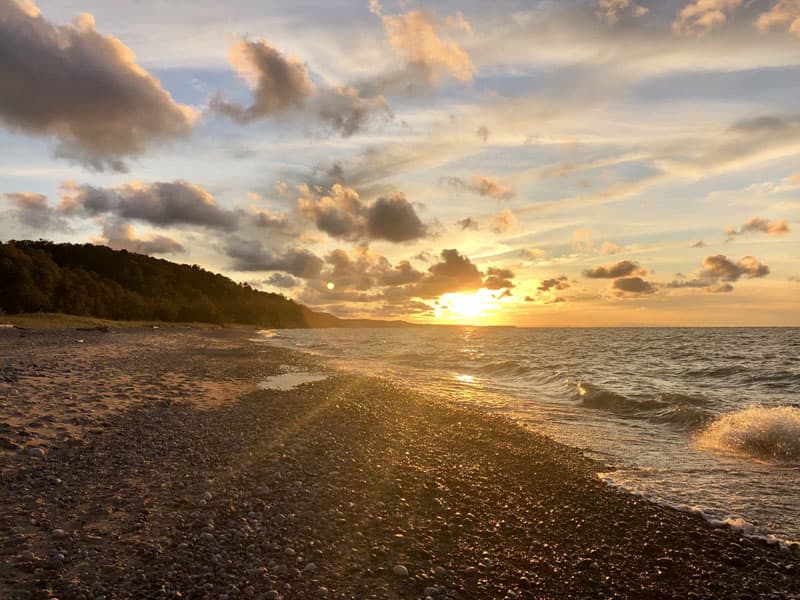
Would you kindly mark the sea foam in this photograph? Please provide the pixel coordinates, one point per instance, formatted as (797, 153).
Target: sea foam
(761, 432)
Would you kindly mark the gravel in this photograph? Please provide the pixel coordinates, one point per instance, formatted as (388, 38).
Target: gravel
(348, 487)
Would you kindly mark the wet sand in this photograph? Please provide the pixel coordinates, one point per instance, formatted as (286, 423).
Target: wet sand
(147, 464)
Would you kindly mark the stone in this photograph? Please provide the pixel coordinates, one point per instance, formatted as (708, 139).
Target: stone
(400, 571)
(36, 452)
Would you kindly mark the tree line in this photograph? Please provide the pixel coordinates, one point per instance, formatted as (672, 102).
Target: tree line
(90, 280)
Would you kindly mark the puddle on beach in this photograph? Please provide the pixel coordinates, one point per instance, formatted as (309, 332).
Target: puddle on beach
(289, 381)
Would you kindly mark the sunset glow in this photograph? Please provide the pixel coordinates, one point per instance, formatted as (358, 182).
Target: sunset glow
(601, 163)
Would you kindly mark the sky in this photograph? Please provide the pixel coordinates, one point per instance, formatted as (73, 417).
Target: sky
(539, 163)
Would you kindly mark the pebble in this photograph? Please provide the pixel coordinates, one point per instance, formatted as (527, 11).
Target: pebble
(400, 571)
(36, 452)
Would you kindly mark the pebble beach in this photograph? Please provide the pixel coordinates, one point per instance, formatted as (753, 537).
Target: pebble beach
(148, 463)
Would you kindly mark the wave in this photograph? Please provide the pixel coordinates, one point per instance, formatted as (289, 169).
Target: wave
(676, 409)
(508, 368)
(757, 431)
(725, 371)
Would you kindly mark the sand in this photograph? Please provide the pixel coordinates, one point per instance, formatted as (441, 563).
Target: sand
(148, 464)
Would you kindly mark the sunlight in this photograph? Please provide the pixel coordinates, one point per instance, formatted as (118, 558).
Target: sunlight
(477, 308)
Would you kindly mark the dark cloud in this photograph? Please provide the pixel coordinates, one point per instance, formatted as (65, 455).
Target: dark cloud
(394, 219)
(279, 83)
(719, 271)
(281, 86)
(467, 223)
(251, 256)
(163, 203)
(633, 286)
(32, 209)
(757, 224)
(454, 273)
(83, 88)
(556, 283)
(498, 279)
(401, 274)
(483, 133)
(719, 266)
(342, 214)
(282, 280)
(483, 186)
(622, 268)
(700, 244)
(121, 236)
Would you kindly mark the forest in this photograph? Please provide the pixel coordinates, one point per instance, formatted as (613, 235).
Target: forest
(91, 280)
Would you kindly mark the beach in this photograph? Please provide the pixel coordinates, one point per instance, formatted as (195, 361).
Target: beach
(147, 463)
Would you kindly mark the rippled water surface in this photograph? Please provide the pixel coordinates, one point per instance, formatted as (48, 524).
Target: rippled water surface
(699, 418)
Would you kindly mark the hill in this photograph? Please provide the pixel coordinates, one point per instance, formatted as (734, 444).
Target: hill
(96, 281)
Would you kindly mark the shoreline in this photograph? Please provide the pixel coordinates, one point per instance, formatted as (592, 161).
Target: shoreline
(326, 490)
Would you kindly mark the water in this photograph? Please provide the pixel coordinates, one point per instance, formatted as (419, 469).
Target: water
(701, 419)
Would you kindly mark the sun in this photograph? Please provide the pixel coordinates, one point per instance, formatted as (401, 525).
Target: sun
(458, 306)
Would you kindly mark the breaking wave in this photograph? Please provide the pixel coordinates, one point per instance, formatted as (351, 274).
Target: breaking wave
(766, 433)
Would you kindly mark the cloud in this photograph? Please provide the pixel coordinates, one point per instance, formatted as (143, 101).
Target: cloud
(162, 203)
(611, 11)
(498, 279)
(282, 280)
(483, 186)
(533, 254)
(701, 16)
(251, 256)
(719, 271)
(279, 83)
(32, 209)
(83, 88)
(454, 273)
(785, 13)
(342, 214)
(121, 236)
(266, 219)
(632, 286)
(556, 283)
(416, 34)
(622, 268)
(699, 244)
(719, 266)
(467, 224)
(281, 86)
(757, 224)
(502, 222)
(394, 219)
(483, 133)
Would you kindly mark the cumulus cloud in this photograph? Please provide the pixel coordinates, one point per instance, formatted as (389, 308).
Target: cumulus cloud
(719, 272)
(162, 203)
(281, 86)
(611, 11)
(622, 268)
(483, 186)
(266, 219)
(555, 283)
(32, 209)
(632, 286)
(121, 236)
(502, 222)
(498, 278)
(757, 224)
(83, 88)
(701, 16)
(785, 13)
(416, 34)
(454, 273)
(252, 256)
(279, 83)
(342, 214)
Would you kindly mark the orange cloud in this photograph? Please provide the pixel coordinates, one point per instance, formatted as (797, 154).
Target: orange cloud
(611, 11)
(416, 35)
(701, 16)
(785, 13)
